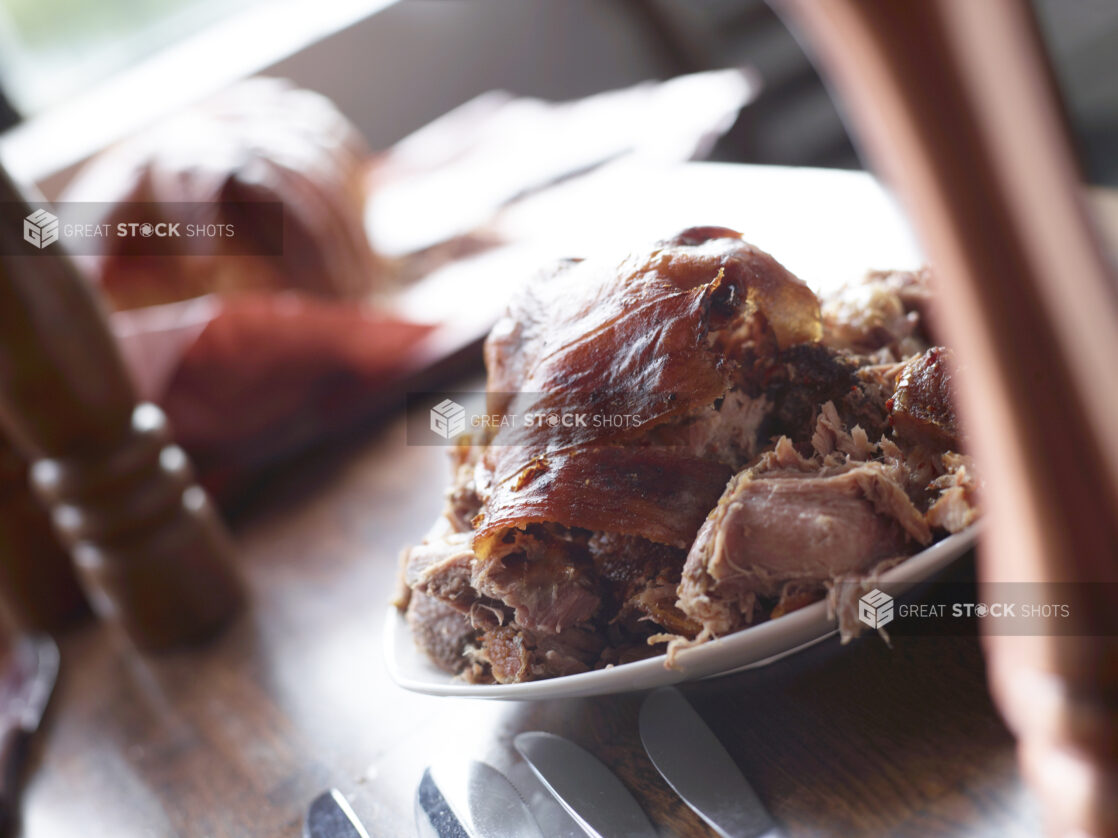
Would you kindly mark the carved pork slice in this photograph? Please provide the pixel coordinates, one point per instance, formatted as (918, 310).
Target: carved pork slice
(802, 524)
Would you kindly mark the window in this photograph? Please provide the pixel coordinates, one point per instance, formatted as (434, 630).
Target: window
(51, 50)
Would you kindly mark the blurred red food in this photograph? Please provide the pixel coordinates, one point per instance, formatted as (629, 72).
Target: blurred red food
(247, 379)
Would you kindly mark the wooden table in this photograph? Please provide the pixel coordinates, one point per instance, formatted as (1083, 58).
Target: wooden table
(235, 739)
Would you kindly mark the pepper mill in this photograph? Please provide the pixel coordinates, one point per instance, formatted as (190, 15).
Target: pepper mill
(38, 586)
(149, 549)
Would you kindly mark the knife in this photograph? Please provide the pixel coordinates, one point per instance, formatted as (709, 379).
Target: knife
(331, 816)
(470, 799)
(33, 670)
(589, 791)
(693, 762)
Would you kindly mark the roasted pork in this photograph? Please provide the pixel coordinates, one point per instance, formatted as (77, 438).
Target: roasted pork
(770, 446)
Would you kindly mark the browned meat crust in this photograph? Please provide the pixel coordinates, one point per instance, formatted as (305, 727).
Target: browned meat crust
(656, 331)
(655, 493)
(921, 411)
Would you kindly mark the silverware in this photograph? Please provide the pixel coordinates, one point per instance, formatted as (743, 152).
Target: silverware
(433, 816)
(24, 695)
(693, 762)
(589, 791)
(330, 816)
(470, 799)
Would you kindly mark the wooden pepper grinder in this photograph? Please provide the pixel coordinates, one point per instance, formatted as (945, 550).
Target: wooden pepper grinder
(149, 549)
(38, 587)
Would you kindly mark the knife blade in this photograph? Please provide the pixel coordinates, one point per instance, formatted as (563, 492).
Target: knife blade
(27, 687)
(589, 791)
(471, 798)
(433, 816)
(330, 816)
(693, 762)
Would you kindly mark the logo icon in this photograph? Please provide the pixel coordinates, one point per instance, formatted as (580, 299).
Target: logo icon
(448, 419)
(875, 609)
(40, 228)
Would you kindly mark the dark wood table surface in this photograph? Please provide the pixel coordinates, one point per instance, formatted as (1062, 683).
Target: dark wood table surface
(235, 738)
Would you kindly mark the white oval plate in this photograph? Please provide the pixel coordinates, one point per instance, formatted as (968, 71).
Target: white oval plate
(750, 648)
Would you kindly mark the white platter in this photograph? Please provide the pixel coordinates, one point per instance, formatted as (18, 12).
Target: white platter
(753, 647)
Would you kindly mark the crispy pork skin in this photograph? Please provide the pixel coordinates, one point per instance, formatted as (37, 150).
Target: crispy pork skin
(921, 411)
(664, 337)
(658, 494)
(652, 331)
